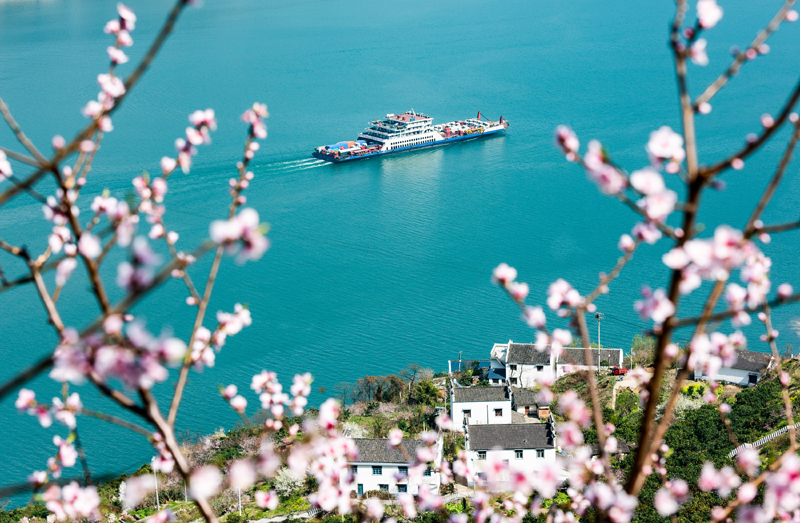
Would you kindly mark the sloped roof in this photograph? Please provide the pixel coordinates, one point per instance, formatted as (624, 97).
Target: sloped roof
(376, 450)
(527, 354)
(524, 396)
(467, 394)
(752, 361)
(577, 356)
(513, 436)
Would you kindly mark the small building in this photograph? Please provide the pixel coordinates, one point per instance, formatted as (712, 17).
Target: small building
(748, 370)
(574, 359)
(479, 406)
(527, 446)
(524, 402)
(521, 361)
(378, 467)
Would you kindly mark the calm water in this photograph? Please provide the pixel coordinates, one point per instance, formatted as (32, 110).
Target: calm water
(383, 262)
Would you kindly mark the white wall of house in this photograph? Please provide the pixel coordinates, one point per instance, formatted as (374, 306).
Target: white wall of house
(523, 375)
(477, 463)
(736, 376)
(368, 479)
(563, 369)
(481, 413)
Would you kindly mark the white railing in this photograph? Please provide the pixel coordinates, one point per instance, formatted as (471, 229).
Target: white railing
(763, 441)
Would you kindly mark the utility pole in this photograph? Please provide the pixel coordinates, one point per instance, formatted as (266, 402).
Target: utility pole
(240, 500)
(155, 479)
(598, 316)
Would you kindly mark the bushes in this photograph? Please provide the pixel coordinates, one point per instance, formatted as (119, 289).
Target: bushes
(287, 483)
(450, 488)
(380, 494)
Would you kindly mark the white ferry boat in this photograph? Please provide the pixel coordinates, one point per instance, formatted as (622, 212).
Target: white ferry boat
(409, 131)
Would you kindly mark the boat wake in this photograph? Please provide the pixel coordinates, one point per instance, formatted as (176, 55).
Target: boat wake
(295, 165)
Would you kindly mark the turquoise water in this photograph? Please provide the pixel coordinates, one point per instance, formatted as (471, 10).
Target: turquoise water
(383, 262)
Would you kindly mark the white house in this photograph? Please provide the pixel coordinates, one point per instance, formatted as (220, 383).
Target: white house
(523, 361)
(750, 366)
(524, 402)
(523, 445)
(574, 359)
(379, 467)
(479, 406)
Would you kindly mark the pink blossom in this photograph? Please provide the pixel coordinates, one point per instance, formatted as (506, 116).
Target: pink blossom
(709, 480)
(626, 243)
(111, 85)
(26, 400)
(241, 474)
(659, 205)
(65, 412)
(561, 293)
(5, 167)
(126, 16)
(244, 228)
(561, 338)
(205, 482)
(116, 55)
(254, 117)
(655, 306)
(67, 454)
(599, 170)
(374, 508)
(89, 245)
(137, 487)
(72, 502)
(704, 108)
(665, 145)
(69, 361)
(698, 52)
(204, 118)
(504, 274)
(574, 408)
(737, 164)
(746, 493)
(168, 165)
(749, 461)
(708, 13)
(519, 291)
(238, 403)
(646, 232)
(58, 142)
(647, 181)
(784, 291)
(395, 438)
(567, 141)
(570, 434)
(534, 317)
(665, 502)
(792, 16)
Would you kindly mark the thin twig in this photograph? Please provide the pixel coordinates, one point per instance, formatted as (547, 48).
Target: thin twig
(724, 315)
(117, 421)
(19, 157)
(741, 57)
(43, 162)
(753, 146)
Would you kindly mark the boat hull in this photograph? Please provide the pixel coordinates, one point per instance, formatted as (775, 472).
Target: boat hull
(331, 159)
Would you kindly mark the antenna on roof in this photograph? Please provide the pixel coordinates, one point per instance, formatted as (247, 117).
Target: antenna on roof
(412, 112)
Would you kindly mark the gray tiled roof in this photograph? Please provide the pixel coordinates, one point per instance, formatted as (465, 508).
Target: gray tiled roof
(578, 356)
(527, 354)
(376, 450)
(752, 361)
(514, 436)
(524, 396)
(467, 394)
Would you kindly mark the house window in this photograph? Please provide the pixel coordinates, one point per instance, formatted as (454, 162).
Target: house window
(467, 413)
(481, 454)
(513, 367)
(377, 471)
(513, 381)
(540, 368)
(517, 454)
(505, 462)
(384, 488)
(354, 470)
(498, 413)
(428, 471)
(402, 488)
(403, 470)
(360, 489)
(539, 453)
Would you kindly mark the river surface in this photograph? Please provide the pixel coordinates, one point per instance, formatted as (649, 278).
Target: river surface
(383, 262)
